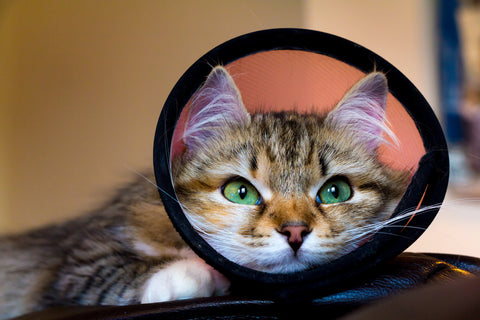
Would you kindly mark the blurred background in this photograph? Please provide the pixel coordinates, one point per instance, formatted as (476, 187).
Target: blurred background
(82, 83)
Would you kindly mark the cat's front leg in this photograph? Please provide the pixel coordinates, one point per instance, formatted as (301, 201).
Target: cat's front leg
(184, 279)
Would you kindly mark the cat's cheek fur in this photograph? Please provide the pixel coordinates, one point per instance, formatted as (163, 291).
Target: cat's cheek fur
(184, 279)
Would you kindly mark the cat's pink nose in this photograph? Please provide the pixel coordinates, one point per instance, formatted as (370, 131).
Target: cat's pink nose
(295, 234)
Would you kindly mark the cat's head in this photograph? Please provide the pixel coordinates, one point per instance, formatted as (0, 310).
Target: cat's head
(283, 192)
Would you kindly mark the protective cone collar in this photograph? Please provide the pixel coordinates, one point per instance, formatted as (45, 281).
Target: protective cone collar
(290, 56)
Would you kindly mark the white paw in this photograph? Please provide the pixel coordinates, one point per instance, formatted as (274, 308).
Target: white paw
(184, 279)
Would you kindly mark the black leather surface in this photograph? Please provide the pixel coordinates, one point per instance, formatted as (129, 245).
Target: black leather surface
(407, 271)
(459, 299)
(466, 263)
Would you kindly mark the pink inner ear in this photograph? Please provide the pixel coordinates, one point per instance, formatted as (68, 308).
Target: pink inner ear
(215, 105)
(362, 111)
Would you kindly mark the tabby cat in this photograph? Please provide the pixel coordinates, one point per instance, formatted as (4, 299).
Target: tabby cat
(275, 192)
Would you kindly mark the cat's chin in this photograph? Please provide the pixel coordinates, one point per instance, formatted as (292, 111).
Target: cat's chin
(284, 264)
(283, 268)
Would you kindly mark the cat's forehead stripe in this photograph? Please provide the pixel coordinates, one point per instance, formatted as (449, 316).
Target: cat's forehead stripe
(253, 162)
(323, 165)
(286, 138)
(311, 150)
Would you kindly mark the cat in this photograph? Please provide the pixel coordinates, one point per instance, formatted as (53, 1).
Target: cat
(277, 192)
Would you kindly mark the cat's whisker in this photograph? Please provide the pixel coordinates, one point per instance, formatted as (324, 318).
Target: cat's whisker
(152, 183)
(394, 235)
(406, 227)
(366, 235)
(411, 212)
(360, 233)
(370, 229)
(185, 208)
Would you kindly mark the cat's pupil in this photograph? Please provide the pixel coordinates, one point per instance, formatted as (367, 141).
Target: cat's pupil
(334, 191)
(242, 192)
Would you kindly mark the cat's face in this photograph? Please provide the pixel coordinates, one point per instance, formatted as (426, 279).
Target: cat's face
(283, 192)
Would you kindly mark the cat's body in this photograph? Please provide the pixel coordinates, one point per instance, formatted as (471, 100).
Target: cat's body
(276, 192)
(105, 257)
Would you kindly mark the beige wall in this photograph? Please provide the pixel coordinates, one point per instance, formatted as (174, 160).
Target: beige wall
(83, 83)
(402, 32)
(6, 93)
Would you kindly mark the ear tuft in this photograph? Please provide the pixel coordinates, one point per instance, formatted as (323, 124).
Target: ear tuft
(214, 106)
(362, 111)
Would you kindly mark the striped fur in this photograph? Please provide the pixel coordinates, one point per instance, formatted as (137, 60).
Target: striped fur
(95, 259)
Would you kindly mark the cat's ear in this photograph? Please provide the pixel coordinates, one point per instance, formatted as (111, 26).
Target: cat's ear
(362, 111)
(216, 104)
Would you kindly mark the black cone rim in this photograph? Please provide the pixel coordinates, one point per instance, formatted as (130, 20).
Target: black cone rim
(428, 184)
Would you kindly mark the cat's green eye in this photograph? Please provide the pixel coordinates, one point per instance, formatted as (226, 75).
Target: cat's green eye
(242, 192)
(335, 190)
